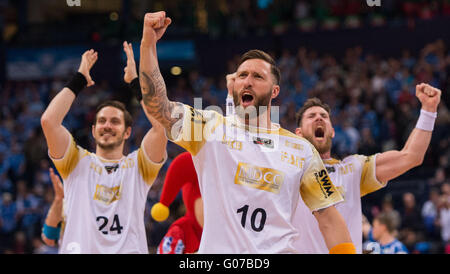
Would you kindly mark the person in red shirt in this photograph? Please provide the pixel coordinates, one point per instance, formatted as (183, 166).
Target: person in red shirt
(184, 235)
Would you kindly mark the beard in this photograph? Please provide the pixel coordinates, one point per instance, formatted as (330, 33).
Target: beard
(111, 146)
(322, 147)
(259, 106)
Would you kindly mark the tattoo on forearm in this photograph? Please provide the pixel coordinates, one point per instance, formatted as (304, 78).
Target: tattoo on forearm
(154, 96)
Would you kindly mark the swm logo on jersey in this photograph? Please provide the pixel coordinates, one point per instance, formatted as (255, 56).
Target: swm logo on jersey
(259, 177)
(324, 181)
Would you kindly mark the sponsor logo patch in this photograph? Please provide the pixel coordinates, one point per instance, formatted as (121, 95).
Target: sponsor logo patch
(106, 194)
(261, 178)
(263, 141)
(325, 183)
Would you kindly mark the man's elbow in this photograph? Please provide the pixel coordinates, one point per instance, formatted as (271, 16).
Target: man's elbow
(412, 159)
(418, 161)
(415, 160)
(46, 122)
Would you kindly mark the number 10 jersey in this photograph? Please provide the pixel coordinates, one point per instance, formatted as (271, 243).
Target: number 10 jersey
(251, 180)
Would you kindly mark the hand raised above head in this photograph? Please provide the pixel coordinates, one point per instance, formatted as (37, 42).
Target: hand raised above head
(130, 69)
(230, 83)
(428, 96)
(155, 24)
(88, 59)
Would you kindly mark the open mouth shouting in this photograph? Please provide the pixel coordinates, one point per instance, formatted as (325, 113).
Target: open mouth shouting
(247, 99)
(319, 133)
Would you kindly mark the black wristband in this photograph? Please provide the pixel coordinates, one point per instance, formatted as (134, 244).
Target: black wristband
(135, 87)
(77, 83)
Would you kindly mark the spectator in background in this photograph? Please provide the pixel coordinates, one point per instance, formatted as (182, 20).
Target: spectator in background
(411, 228)
(382, 237)
(430, 214)
(387, 208)
(445, 189)
(443, 221)
(8, 219)
(411, 216)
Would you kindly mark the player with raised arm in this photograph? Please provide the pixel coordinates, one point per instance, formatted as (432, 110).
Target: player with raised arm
(251, 172)
(358, 175)
(105, 192)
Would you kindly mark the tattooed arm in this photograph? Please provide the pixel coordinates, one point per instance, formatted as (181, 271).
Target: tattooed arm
(154, 93)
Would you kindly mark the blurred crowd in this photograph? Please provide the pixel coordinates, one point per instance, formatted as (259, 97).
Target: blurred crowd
(27, 21)
(374, 109)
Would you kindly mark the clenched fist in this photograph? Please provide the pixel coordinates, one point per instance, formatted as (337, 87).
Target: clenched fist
(155, 24)
(428, 96)
(231, 78)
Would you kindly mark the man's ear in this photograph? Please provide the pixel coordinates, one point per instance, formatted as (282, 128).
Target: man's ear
(127, 133)
(275, 91)
(93, 130)
(298, 132)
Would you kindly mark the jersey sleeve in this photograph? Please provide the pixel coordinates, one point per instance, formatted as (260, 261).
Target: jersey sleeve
(147, 168)
(173, 242)
(316, 188)
(69, 161)
(195, 128)
(369, 182)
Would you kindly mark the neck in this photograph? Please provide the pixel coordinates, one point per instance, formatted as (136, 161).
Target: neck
(110, 154)
(386, 238)
(326, 155)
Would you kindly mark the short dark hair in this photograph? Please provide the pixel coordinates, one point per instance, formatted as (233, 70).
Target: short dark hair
(259, 54)
(119, 105)
(311, 102)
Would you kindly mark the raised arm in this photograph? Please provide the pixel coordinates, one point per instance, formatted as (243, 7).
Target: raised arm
(154, 93)
(230, 86)
(154, 142)
(51, 231)
(394, 163)
(55, 133)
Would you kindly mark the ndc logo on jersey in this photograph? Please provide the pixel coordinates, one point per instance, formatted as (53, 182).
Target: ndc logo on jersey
(261, 178)
(263, 141)
(325, 183)
(106, 194)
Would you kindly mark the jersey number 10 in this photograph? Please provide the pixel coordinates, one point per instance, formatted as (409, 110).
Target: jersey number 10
(259, 211)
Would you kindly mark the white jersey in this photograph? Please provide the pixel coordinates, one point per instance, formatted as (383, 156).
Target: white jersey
(251, 180)
(104, 201)
(354, 177)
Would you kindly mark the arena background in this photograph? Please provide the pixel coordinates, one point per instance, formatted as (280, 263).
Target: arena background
(364, 61)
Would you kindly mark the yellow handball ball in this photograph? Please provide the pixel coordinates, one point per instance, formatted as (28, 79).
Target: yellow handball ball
(160, 212)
